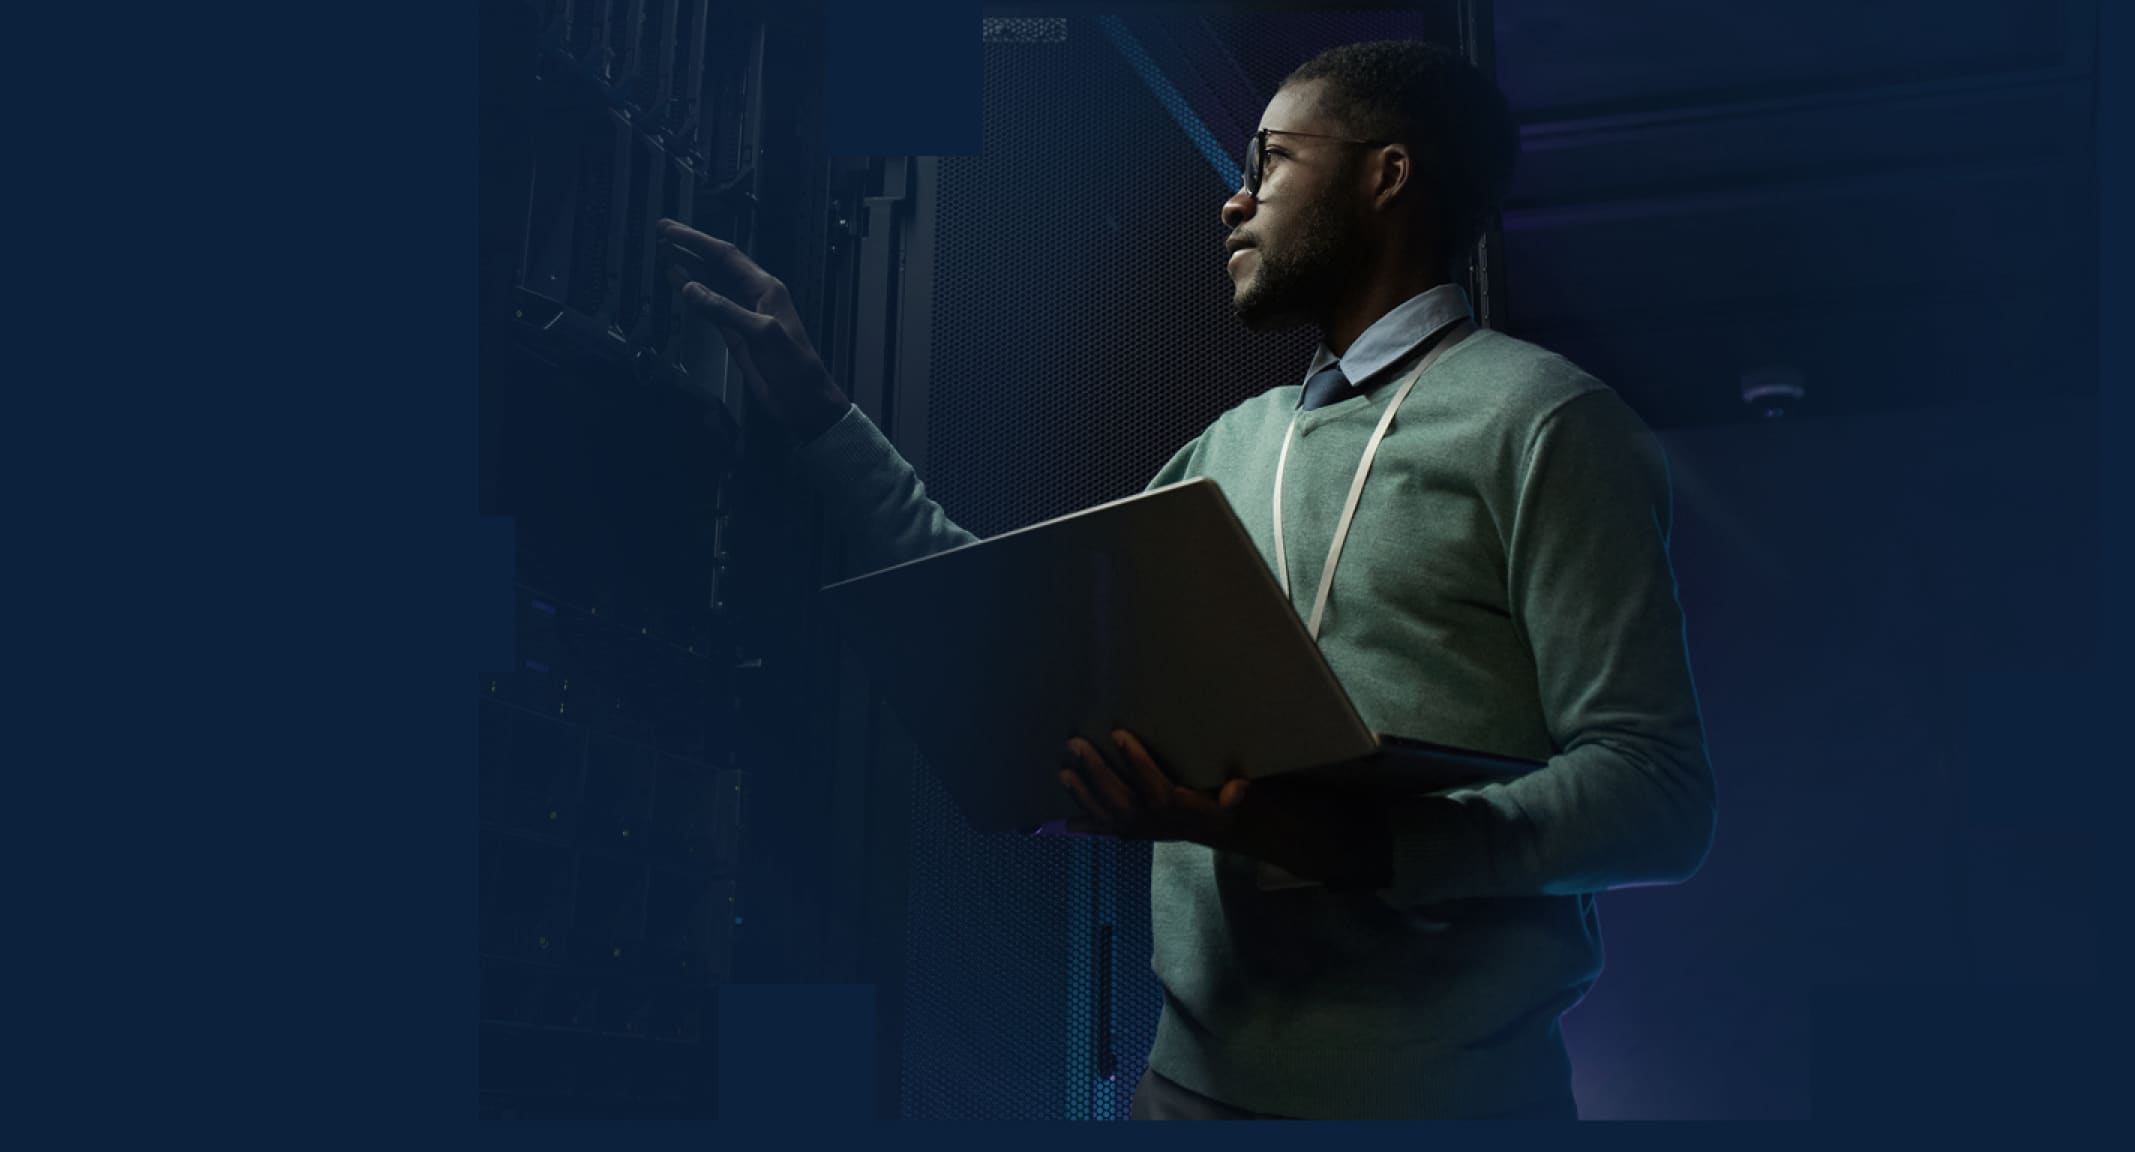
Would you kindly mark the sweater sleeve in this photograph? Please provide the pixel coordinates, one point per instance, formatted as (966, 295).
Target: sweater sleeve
(1628, 797)
(872, 494)
(875, 497)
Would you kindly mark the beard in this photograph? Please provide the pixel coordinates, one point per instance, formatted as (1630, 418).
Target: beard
(1294, 281)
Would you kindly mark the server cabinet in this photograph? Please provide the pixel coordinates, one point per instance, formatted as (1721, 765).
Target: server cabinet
(622, 746)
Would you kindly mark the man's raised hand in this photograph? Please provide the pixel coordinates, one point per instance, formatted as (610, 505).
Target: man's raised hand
(751, 307)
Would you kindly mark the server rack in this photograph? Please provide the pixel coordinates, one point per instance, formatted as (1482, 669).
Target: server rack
(625, 749)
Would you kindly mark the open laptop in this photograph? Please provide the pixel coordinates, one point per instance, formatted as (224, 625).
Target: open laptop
(1155, 613)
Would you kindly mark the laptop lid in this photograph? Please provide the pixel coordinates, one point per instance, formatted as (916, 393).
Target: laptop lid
(1155, 613)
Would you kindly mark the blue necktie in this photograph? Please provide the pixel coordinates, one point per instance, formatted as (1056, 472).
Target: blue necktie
(1326, 387)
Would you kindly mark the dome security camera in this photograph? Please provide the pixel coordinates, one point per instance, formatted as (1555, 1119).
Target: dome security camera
(1773, 392)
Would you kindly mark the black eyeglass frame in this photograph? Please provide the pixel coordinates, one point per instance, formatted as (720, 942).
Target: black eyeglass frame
(1256, 152)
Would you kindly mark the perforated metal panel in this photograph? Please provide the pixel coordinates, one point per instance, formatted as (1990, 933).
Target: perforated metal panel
(1266, 46)
(1082, 333)
(1082, 323)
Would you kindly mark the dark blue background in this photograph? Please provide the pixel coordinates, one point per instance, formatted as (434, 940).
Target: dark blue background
(251, 589)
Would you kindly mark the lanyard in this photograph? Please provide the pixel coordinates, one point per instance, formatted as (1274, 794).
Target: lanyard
(1356, 487)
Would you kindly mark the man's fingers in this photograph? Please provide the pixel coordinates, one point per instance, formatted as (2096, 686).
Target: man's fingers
(724, 312)
(1155, 786)
(717, 261)
(1082, 796)
(1106, 783)
(722, 255)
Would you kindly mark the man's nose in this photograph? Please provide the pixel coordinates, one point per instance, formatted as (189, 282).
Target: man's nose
(1239, 208)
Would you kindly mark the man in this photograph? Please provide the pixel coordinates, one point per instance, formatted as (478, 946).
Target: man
(1502, 584)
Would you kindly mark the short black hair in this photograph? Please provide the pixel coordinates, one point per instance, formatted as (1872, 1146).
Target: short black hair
(1452, 117)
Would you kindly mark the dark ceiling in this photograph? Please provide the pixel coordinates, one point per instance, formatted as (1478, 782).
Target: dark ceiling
(1893, 200)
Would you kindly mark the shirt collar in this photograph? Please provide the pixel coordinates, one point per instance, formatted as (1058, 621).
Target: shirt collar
(1392, 337)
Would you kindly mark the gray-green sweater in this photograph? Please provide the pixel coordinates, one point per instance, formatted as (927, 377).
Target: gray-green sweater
(1505, 587)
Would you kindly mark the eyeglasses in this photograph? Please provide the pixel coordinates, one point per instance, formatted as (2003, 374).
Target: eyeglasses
(1256, 152)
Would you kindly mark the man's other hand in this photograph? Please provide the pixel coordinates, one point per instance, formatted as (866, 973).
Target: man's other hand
(1147, 805)
(1308, 829)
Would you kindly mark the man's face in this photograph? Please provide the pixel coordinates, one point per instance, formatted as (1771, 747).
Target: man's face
(1305, 228)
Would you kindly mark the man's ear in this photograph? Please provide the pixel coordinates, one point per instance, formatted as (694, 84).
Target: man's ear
(1393, 175)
